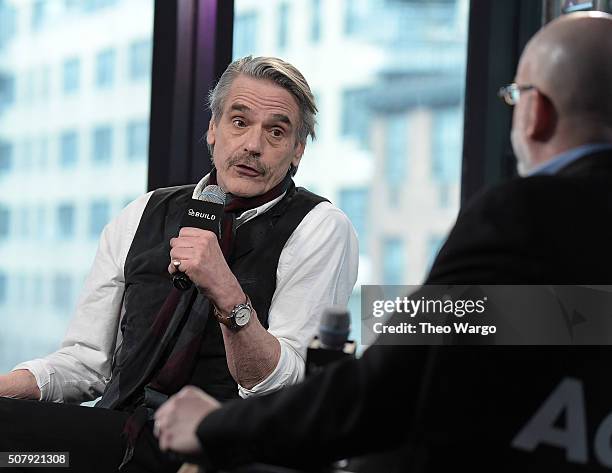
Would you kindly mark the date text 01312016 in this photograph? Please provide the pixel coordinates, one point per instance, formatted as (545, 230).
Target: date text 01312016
(34, 459)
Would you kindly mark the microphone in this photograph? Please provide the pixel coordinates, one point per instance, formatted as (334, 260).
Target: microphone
(205, 212)
(331, 343)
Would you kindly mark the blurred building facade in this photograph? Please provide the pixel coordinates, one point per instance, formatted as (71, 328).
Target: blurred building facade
(74, 111)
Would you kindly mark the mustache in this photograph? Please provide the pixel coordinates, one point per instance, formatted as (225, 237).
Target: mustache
(247, 160)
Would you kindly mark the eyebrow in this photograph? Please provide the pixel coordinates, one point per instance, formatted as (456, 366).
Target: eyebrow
(240, 107)
(277, 117)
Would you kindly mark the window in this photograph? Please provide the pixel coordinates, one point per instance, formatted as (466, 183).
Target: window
(102, 144)
(6, 157)
(65, 221)
(137, 139)
(393, 261)
(245, 34)
(354, 13)
(7, 23)
(93, 5)
(315, 21)
(28, 89)
(396, 150)
(45, 82)
(396, 157)
(62, 292)
(5, 222)
(7, 90)
(39, 8)
(283, 25)
(24, 221)
(105, 69)
(72, 70)
(40, 224)
(445, 166)
(354, 203)
(140, 60)
(3, 286)
(69, 149)
(37, 296)
(355, 116)
(27, 154)
(99, 217)
(71, 4)
(43, 153)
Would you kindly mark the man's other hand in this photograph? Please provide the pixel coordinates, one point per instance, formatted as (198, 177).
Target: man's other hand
(177, 420)
(19, 384)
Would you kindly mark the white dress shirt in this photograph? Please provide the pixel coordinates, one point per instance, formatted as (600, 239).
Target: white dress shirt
(317, 268)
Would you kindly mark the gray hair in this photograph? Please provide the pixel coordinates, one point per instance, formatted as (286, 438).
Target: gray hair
(278, 71)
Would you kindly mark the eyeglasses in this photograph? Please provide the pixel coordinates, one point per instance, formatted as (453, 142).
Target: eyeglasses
(511, 93)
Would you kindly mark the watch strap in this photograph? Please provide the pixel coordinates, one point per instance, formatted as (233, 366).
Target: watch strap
(230, 320)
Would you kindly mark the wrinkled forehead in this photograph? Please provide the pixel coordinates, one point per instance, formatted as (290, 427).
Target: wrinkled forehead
(261, 97)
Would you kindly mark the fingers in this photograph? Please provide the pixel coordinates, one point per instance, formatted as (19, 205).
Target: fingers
(183, 254)
(162, 424)
(174, 266)
(177, 419)
(196, 232)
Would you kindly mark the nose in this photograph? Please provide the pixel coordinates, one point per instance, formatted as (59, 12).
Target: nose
(253, 141)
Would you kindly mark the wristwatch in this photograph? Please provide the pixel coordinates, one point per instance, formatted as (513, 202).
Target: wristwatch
(238, 317)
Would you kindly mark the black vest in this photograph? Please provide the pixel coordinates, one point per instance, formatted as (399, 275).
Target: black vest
(254, 259)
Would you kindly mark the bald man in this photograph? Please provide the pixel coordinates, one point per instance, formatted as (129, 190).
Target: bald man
(470, 408)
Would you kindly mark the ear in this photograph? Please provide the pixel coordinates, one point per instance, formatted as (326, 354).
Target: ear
(210, 136)
(298, 152)
(542, 117)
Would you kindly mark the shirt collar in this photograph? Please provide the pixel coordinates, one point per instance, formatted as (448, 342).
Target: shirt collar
(247, 214)
(568, 157)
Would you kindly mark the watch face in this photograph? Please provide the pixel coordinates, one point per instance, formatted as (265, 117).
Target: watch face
(242, 316)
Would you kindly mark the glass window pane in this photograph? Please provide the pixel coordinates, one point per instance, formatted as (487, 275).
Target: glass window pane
(65, 220)
(67, 165)
(62, 291)
(315, 21)
(68, 148)
(39, 11)
(5, 222)
(6, 156)
(72, 70)
(140, 59)
(283, 25)
(102, 144)
(388, 77)
(105, 68)
(3, 289)
(137, 139)
(393, 261)
(245, 33)
(7, 90)
(8, 22)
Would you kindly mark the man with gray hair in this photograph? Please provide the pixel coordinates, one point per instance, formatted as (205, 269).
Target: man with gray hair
(258, 291)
